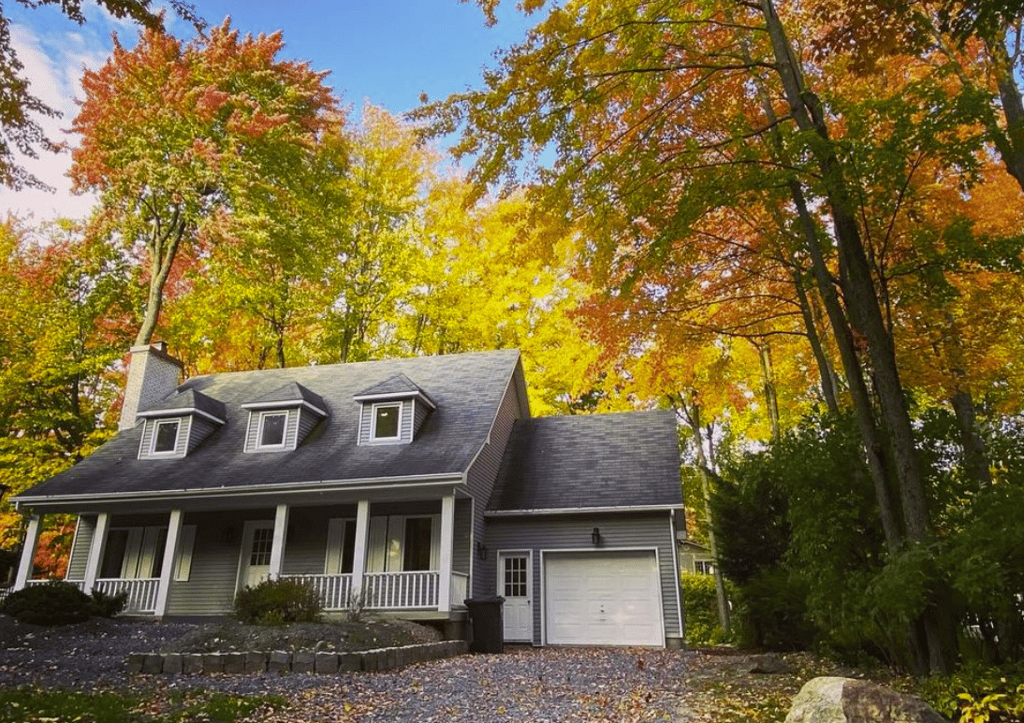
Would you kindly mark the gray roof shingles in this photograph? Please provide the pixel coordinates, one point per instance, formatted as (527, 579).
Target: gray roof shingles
(467, 388)
(598, 460)
(397, 384)
(189, 399)
(291, 392)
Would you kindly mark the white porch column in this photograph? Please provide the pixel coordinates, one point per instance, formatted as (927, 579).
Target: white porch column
(28, 552)
(280, 536)
(99, 544)
(359, 552)
(170, 557)
(444, 591)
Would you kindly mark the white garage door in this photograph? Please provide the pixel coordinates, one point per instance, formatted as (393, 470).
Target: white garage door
(602, 598)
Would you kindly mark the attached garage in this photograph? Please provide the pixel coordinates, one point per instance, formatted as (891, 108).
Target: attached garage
(602, 597)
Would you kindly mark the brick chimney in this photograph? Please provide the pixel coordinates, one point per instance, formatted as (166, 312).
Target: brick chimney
(152, 375)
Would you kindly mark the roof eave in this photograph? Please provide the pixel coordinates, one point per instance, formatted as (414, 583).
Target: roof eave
(285, 404)
(368, 483)
(395, 396)
(583, 510)
(158, 413)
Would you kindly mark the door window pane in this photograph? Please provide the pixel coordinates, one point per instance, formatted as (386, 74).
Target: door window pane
(262, 542)
(515, 577)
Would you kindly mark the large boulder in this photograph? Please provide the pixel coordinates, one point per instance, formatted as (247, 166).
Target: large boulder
(845, 700)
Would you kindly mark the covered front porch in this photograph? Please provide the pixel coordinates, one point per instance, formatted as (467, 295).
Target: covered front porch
(403, 557)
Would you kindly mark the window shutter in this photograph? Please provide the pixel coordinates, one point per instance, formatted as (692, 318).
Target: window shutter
(435, 542)
(183, 569)
(376, 553)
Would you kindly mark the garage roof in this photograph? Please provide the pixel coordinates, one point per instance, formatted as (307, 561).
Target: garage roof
(589, 461)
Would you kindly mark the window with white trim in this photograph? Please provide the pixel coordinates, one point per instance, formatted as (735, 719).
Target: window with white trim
(271, 431)
(133, 553)
(386, 422)
(165, 436)
(703, 567)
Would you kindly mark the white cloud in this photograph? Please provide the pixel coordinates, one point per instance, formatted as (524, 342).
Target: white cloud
(54, 66)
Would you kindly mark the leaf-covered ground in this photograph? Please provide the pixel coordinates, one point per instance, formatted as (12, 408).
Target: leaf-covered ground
(563, 685)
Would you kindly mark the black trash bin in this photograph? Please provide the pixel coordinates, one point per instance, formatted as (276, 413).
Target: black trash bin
(488, 629)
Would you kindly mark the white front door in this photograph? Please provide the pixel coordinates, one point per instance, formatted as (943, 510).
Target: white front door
(515, 583)
(257, 542)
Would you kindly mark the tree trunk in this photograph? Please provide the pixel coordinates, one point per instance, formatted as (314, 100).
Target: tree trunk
(771, 397)
(862, 304)
(825, 372)
(976, 463)
(1010, 146)
(692, 414)
(162, 247)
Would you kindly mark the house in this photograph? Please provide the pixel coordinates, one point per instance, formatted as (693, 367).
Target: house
(411, 484)
(695, 558)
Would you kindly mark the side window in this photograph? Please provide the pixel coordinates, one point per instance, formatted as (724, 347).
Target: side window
(271, 433)
(165, 437)
(703, 567)
(386, 422)
(341, 545)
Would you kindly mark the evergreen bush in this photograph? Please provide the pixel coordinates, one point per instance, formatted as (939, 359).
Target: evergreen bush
(276, 602)
(52, 603)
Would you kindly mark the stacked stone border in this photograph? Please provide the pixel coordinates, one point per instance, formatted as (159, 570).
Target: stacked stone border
(365, 661)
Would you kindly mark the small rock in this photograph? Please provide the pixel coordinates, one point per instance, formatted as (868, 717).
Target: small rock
(845, 700)
(769, 664)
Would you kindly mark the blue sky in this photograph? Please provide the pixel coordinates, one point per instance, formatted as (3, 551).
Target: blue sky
(383, 51)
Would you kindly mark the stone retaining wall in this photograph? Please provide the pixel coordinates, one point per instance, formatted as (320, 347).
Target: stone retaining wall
(368, 661)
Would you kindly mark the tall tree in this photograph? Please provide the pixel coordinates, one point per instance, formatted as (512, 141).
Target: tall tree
(661, 117)
(173, 132)
(65, 322)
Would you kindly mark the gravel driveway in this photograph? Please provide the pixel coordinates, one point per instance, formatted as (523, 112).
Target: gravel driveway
(523, 684)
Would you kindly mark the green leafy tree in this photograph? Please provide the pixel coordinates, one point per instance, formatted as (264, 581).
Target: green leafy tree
(65, 323)
(173, 134)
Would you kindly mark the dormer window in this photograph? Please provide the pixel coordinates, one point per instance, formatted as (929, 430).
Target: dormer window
(177, 424)
(272, 426)
(280, 419)
(392, 411)
(386, 422)
(165, 437)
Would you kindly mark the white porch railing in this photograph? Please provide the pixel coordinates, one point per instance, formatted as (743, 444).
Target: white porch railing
(334, 590)
(416, 590)
(460, 589)
(400, 590)
(141, 592)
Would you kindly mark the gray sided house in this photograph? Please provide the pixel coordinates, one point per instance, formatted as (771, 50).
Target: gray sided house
(412, 484)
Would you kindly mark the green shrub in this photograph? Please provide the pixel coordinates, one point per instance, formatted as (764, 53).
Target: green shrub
(107, 606)
(53, 603)
(978, 694)
(275, 602)
(700, 603)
